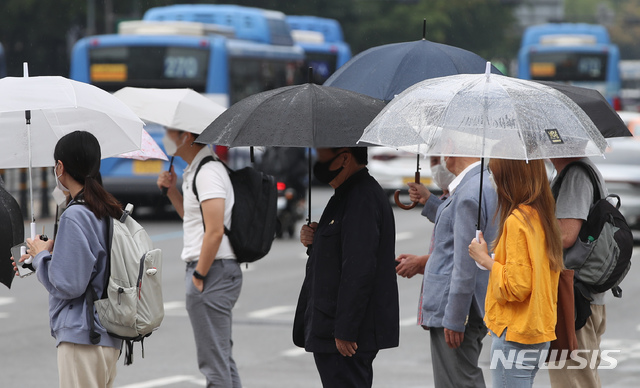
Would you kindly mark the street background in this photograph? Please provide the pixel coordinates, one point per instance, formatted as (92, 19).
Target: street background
(263, 318)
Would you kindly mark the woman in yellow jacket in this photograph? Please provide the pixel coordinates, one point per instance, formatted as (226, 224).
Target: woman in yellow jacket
(523, 285)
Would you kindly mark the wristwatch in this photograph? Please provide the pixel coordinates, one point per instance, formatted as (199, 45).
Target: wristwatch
(198, 275)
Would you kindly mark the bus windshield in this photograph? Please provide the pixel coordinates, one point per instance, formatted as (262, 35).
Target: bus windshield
(568, 66)
(112, 68)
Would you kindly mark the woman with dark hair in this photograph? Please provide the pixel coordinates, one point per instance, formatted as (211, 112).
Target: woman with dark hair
(79, 261)
(520, 307)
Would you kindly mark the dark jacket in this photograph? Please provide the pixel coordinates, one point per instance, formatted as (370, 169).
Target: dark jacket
(350, 290)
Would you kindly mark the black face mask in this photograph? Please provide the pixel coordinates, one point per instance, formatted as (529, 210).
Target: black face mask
(323, 174)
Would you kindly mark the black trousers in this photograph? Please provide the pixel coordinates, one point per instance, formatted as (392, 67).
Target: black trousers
(337, 371)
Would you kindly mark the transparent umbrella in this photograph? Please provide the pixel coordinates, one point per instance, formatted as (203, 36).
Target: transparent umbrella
(486, 115)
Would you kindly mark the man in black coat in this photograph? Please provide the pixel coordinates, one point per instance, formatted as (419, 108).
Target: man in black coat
(348, 306)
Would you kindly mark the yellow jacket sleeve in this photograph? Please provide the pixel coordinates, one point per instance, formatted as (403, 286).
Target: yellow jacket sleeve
(513, 276)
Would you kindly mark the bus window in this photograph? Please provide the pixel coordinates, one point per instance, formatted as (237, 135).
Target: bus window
(248, 76)
(568, 66)
(112, 68)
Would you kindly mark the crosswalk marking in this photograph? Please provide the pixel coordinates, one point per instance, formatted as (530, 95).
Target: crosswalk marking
(162, 382)
(295, 352)
(271, 311)
(402, 236)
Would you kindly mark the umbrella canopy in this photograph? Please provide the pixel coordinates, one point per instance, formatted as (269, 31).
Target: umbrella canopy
(149, 149)
(60, 106)
(386, 71)
(596, 107)
(11, 233)
(486, 115)
(182, 109)
(295, 116)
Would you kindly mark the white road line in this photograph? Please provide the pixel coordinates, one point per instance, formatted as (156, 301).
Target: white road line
(271, 311)
(161, 382)
(177, 304)
(6, 300)
(409, 322)
(404, 236)
(4, 315)
(295, 352)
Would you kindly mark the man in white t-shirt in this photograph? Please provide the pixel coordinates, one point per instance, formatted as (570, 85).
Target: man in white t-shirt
(213, 276)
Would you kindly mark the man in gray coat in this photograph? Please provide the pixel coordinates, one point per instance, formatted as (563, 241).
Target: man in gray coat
(454, 287)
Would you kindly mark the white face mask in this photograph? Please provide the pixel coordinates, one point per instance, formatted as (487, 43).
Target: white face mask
(441, 176)
(170, 147)
(59, 184)
(59, 196)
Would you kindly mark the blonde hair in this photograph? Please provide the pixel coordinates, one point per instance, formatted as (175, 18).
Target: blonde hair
(526, 183)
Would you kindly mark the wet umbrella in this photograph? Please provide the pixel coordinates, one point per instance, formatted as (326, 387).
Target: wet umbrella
(596, 107)
(486, 115)
(385, 71)
(11, 233)
(306, 115)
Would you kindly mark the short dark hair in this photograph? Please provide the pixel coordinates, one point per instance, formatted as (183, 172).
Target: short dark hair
(359, 153)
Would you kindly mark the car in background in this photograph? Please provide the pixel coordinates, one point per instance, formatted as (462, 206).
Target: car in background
(621, 172)
(393, 169)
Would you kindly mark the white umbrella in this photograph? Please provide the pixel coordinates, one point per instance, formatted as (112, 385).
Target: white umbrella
(53, 107)
(182, 109)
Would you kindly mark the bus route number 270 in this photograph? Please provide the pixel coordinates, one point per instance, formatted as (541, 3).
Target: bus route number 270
(180, 67)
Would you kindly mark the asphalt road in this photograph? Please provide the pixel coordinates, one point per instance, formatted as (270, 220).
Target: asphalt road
(263, 318)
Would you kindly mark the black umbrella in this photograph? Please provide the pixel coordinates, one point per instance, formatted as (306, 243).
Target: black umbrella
(596, 107)
(306, 115)
(11, 233)
(385, 71)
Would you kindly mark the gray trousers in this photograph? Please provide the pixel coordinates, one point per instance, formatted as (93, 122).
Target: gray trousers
(210, 315)
(458, 368)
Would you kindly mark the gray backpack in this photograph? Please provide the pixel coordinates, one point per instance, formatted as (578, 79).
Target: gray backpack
(131, 306)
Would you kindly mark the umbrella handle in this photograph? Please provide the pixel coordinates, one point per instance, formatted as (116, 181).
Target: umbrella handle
(396, 196)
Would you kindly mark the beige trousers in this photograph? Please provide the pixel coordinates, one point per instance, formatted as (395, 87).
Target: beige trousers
(86, 366)
(589, 339)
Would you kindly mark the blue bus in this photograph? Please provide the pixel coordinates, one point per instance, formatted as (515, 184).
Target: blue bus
(321, 38)
(252, 24)
(177, 55)
(579, 54)
(323, 44)
(3, 63)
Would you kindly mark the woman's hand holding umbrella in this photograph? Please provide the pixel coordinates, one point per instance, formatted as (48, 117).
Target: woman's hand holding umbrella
(479, 251)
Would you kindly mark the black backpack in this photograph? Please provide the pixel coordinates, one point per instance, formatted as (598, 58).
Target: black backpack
(601, 256)
(254, 216)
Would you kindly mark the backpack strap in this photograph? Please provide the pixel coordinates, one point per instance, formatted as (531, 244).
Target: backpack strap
(204, 161)
(593, 177)
(90, 295)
